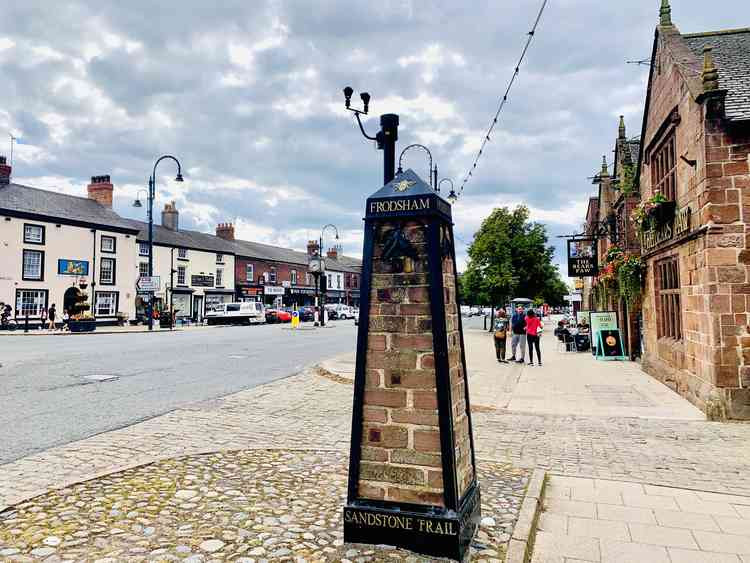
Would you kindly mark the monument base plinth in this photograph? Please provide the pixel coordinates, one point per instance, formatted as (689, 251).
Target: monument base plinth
(436, 531)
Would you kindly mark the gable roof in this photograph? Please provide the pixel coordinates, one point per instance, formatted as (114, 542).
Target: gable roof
(194, 240)
(34, 203)
(731, 53)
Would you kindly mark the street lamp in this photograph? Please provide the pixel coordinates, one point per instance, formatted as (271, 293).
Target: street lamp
(137, 203)
(452, 197)
(432, 173)
(321, 262)
(387, 136)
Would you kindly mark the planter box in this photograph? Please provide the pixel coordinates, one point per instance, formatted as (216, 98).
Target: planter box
(663, 213)
(88, 325)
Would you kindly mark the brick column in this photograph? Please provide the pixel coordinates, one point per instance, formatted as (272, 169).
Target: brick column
(412, 479)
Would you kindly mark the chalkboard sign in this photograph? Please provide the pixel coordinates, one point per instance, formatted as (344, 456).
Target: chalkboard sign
(609, 345)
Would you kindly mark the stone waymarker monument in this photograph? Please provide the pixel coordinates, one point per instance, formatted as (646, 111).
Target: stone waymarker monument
(412, 478)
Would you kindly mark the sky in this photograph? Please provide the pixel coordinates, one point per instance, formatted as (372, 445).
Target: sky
(248, 96)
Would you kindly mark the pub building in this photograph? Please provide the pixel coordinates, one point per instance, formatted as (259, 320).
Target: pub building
(696, 245)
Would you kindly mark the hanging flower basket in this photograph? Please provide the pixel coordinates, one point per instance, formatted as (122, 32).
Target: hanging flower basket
(664, 212)
(656, 210)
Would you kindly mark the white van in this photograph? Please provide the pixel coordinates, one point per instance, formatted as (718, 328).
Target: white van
(342, 311)
(244, 312)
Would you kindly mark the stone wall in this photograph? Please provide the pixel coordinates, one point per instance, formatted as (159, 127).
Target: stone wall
(710, 365)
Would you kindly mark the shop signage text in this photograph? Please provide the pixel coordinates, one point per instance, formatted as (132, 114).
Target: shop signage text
(582, 258)
(679, 226)
(202, 281)
(273, 290)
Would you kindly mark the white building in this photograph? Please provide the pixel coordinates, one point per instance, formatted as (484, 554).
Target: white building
(196, 270)
(54, 246)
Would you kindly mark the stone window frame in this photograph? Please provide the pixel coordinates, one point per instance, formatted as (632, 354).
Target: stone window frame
(659, 147)
(668, 298)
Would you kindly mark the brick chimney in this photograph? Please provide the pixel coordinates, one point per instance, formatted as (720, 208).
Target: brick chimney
(333, 252)
(225, 231)
(100, 190)
(312, 247)
(170, 217)
(4, 171)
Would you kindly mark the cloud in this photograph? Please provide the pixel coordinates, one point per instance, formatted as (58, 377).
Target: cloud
(248, 96)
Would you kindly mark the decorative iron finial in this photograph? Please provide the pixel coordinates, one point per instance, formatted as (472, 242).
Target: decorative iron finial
(665, 13)
(622, 127)
(710, 75)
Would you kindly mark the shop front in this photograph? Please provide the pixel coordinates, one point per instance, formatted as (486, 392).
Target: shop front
(300, 296)
(216, 297)
(335, 296)
(273, 295)
(353, 298)
(249, 292)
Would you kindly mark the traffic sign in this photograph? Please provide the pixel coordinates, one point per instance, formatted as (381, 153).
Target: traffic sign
(148, 283)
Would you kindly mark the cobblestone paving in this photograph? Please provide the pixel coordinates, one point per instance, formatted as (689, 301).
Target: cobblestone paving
(251, 505)
(310, 411)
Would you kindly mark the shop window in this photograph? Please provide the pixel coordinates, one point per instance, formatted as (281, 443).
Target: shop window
(33, 265)
(249, 272)
(108, 244)
(669, 323)
(664, 169)
(181, 275)
(107, 271)
(105, 304)
(33, 234)
(30, 302)
(181, 304)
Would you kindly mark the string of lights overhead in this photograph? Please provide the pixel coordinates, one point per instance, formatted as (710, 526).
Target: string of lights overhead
(503, 100)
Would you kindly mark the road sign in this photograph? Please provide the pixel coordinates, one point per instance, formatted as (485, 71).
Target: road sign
(295, 318)
(148, 283)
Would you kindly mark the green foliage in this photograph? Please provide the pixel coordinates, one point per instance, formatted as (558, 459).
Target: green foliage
(80, 305)
(627, 182)
(510, 258)
(630, 278)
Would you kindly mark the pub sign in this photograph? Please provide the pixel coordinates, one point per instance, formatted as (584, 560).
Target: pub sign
(66, 267)
(582, 258)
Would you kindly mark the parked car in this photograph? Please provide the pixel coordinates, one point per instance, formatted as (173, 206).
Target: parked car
(342, 311)
(245, 312)
(278, 316)
(306, 314)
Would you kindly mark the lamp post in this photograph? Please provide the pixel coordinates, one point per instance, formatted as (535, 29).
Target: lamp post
(432, 172)
(452, 197)
(137, 203)
(323, 293)
(387, 136)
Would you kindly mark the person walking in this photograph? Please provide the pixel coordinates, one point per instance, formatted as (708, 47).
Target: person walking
(52, 313)
(500, 336)
(533, 332)
(43, 318)
(518, 326)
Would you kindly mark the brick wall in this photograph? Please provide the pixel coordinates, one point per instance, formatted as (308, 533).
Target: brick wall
(283, 271)
(710, 365)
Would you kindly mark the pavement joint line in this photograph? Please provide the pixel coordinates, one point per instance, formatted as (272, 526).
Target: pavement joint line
(650, 483)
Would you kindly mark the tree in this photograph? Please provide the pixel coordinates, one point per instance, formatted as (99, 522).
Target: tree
(510, 258)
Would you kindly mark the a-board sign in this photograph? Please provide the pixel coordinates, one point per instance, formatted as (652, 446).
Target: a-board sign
(601, 320)
(609, 345)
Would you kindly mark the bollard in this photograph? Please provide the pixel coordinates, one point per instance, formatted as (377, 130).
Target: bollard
(26, 323)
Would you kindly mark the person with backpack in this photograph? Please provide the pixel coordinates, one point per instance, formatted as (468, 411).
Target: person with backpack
(518, 326)
(500, 336)
(534, 328)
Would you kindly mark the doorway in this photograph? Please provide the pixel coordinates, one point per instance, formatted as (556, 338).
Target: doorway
(70, 299)
(197, 308)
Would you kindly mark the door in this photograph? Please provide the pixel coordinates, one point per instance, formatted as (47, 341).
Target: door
(197, 308)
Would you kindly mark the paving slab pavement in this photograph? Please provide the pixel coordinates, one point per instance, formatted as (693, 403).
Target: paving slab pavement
(607, 521)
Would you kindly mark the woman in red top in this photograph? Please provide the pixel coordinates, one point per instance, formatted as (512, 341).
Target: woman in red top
(533, 328)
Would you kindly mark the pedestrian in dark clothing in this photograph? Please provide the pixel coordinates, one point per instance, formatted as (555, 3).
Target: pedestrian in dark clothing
(518, 326)
(533, 332)
(52, 313)
(501, 330)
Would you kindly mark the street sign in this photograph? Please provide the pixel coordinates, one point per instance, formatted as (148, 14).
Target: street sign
(574, 298)
(273, 290)
(148, 283)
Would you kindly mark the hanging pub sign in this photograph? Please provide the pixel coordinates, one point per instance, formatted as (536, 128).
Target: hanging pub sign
(582, 258)
(67, 267)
